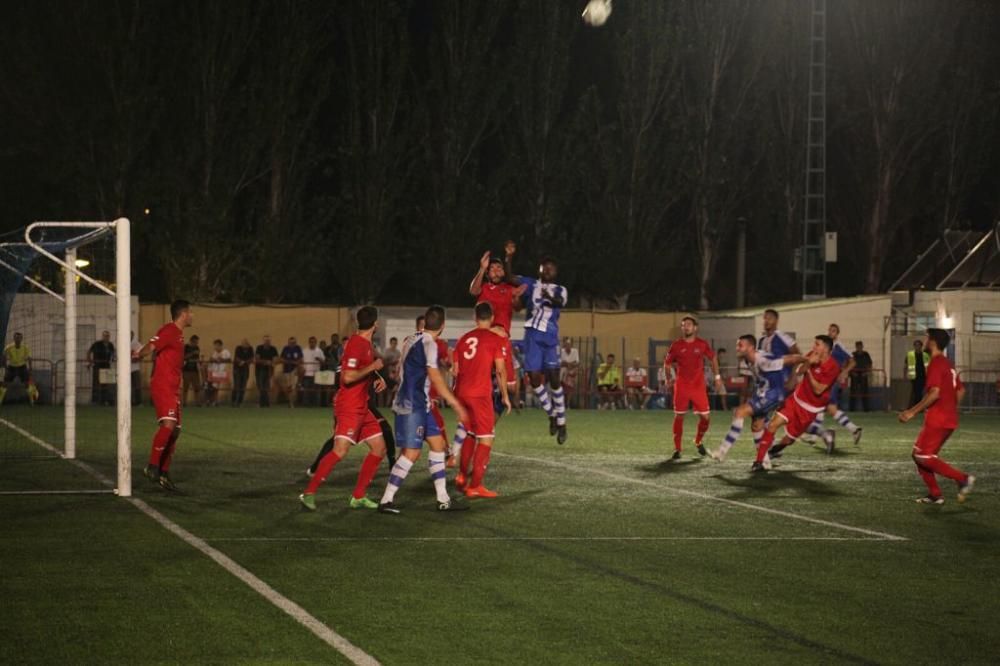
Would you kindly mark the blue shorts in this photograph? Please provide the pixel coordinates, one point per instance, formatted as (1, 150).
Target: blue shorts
(763, 404)
(413, 428)
(540, 354)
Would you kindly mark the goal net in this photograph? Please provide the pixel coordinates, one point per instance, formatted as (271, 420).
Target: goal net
(66, 319)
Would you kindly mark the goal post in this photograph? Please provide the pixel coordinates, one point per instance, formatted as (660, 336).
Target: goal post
(59, 242)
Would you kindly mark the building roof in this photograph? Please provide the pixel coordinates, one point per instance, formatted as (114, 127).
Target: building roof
(958, 259)
(793, 306)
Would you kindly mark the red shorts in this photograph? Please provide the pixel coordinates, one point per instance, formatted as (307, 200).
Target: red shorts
(482, 418)
(167, 402)
(687, 396)
(797, 418)
(356, 426)
(931, 439)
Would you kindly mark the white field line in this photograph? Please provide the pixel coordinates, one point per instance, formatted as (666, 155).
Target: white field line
(355, 654)
(461, 539)
(704, 496)
(56, 492)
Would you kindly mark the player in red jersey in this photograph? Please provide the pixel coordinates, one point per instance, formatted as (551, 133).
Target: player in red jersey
(164, 389)
(811, 397)
(489, 285)
(478, 354)
(943, 391)
(689, 355)
(355, 422)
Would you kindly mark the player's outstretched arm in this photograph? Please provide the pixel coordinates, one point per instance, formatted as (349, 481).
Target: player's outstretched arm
(437, 381)
(476, 286)
(509, 249)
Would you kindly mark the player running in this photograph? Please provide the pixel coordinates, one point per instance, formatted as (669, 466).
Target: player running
(943, 392)
(355, 423)
(544, 300)
(846, 361)
(414, 423)
(478, 354)
(767, 396)
(164, 389)
(689, 355)
(811, 397)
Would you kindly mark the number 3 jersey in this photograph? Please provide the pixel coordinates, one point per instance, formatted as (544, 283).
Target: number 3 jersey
(475, 356)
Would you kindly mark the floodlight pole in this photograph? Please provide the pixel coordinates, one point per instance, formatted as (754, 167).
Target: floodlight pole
(69, 402)
(123, 296)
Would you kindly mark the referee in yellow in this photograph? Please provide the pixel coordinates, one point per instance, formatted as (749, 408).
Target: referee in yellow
(17, 362)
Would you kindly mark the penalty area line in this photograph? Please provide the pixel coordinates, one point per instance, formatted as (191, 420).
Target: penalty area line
(353, 653)
(704, 496)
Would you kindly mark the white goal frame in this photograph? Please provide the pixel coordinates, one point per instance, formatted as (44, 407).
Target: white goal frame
(122, 293)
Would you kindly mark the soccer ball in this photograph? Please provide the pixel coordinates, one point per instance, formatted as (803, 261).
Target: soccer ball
(597, 12)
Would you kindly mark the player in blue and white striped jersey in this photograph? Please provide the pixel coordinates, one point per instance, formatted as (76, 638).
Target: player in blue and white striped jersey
(845, 359)
(543, 301)
(418, 371)
(767, 395)
(777, 343)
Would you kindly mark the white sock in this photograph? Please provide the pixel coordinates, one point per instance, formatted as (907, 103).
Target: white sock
(559, 405)
(456, 443)
(396, 478)
(543, 398)
(435, 461)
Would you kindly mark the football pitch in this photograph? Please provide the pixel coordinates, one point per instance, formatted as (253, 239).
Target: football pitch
(596, 552)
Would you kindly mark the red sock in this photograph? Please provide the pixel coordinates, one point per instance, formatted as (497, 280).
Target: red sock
(678, 430)
(325, 466)
(702, 429)
(930, 481)
(483, 452)
(368, 468)
(160, 440)
(765, 444)
(938, 466)
(468, 451)
(168, 451)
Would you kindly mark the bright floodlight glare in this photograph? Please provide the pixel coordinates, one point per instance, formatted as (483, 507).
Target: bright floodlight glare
(81, 263)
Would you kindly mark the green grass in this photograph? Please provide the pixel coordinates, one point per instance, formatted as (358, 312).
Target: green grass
(596, 552)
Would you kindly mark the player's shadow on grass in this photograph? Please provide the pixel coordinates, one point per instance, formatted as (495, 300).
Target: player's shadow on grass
(671, 466)
(777, 481)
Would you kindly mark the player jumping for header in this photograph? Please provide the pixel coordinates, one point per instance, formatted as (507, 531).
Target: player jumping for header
(544, 300)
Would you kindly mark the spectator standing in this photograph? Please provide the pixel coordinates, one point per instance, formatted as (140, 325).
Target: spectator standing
(916, 371)
(335, 351)
(218, 372)
(291, 366)
(17, 365)
(264, 357)
(242, 360)
(192, 371)
(860, 377)
(609, 383)
(312, 362)
(134, 347)
(99, 357)
(569, 368)
(637, 390)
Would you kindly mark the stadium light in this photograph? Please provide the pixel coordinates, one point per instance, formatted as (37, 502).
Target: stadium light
(81, 263)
